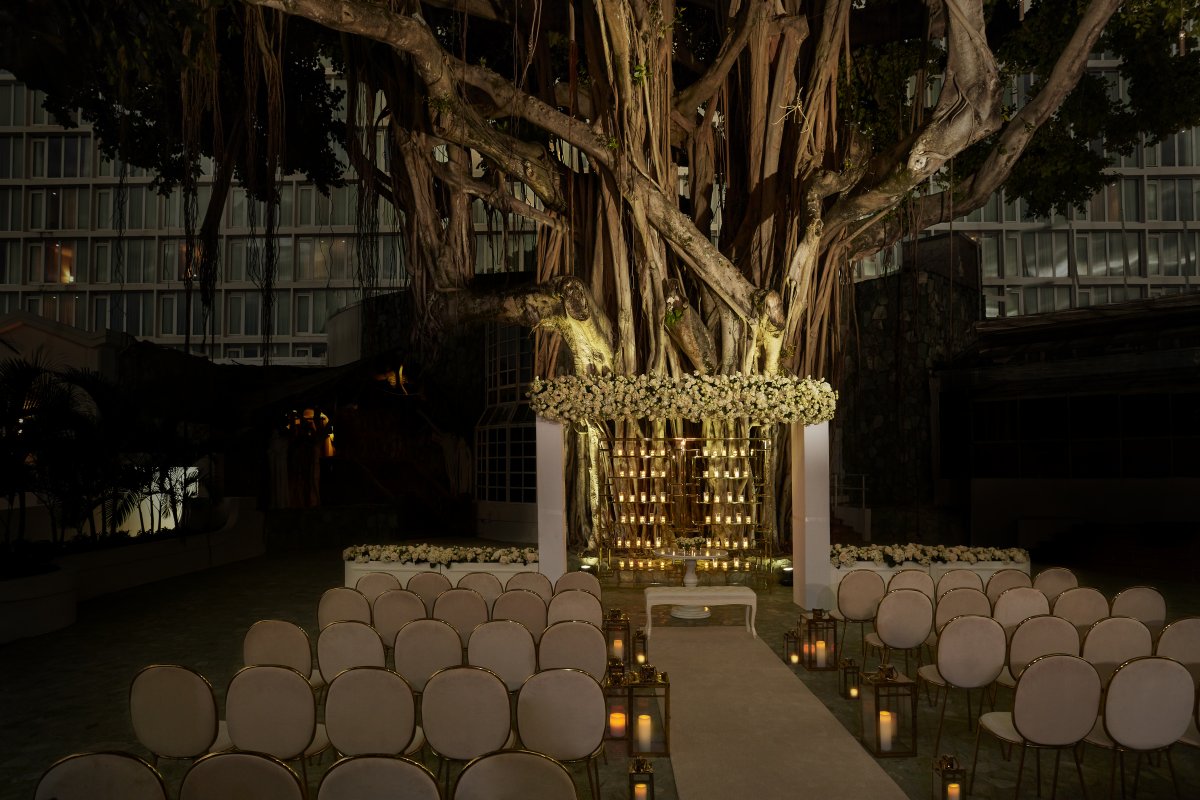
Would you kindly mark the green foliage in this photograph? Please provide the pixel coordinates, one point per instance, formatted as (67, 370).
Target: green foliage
(673, 317)
(641, 73)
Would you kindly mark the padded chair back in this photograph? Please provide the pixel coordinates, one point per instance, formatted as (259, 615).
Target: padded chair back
(958, 602)
(970, 651)
(1056, 701)
(427, 586)
(174, 711)
(959, 579)
(343, 645)
(393, 610)
(1149, 703)
(464, 609)
(240, 776)
(578, 579)
(276, 641)
(1181, 641)
(423, 647)
(1039, 636)
(374, 584)
(1082, 606)
(1018, 604)
(100, 776)
(515, 775)
(370, 710)
(533, 581)
(1003, 580)
(1144, 603)
(271, 709)
(575, 644)
(524, 606)
(859, 593)
(506, 647)
(1054, 581)
(574, 604)
(561, 712)
(341, 603)
(378, 778)
(1113, 641)
(465, 712)
(487, 584)
(917, 579)
(904, 619)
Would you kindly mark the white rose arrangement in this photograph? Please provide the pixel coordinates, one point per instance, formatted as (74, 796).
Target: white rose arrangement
(893, 555)
(757, 398)
(437, 554)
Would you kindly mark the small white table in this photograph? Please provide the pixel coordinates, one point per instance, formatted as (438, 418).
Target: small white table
(690, 579)
(709, 595)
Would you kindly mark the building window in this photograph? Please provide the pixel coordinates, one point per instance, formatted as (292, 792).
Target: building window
(66, 156)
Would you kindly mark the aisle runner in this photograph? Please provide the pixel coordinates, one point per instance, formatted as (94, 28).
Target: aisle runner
(743, 726)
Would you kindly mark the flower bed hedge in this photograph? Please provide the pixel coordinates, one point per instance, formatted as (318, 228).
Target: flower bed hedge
(439, 554)
(893, 555)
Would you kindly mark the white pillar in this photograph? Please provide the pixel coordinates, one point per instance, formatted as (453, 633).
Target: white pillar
(551, 498)
(810, 516)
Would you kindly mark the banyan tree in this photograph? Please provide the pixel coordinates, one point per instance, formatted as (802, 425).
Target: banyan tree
(701, 175)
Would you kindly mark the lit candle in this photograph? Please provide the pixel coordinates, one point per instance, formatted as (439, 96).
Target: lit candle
(795, 658)
(741, 498)
(953, 791)
(639, 791)
(643, 733)
(729, 497)
(641, 658)
(621, 497)
(643, 497)
(708, 519)
(853, 692)
(807, 649)
(726, 473)
(706, 497)
(618, 649)
(616, 724)
(820, 653)
(887, 730)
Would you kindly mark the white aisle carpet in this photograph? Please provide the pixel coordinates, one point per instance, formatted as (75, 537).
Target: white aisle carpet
(744, 726)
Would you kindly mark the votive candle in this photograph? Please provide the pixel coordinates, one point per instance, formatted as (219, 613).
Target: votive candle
(853, 692)
(794, 658)
(643, 733)
(953, 791)
(616, 724)
(641, 658)
(618, 649)
(640, 791)
(820, 654)
(887, 731)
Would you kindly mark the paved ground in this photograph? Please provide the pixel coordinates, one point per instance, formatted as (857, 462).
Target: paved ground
(67, 691)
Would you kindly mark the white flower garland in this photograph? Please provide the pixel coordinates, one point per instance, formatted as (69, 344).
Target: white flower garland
(759, 398)
(437, 554)
(893, 555)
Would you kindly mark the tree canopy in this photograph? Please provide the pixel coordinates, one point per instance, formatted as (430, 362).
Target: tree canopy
(700, 174)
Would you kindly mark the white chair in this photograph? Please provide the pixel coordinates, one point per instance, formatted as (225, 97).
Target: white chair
(271, 709)
(575, 604)
(858, 596)
(1053, 581)
(465, 713)
(1035, 637)
(347, 644)
(958, 602)
(376, 777)
(100, 776)
(533, 581)
(174, 713)
(1005, 579)
(276, 641)
(1054, 706)
(1082, 606)
(463, 609)
(374, 584)
(917, 579)
(1018, 604)
(578, 579)
(371, 710)
(505, 647)
(423, 647)
(562, 713)
(427, 586)
(487, 584)
(959, 579)
(342, 602)
(234, 776)
(524, 606)
(1144, 603)
(903, 622)
(1147, 708)
(970, 655)
(393, 610)
(515, 775)
(1181, 641)
(1113, 641)
(575, 644)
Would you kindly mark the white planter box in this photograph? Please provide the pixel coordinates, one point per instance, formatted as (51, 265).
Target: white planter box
(355, 570)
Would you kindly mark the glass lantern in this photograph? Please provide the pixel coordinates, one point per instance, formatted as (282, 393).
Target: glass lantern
(889, 713)
(649, 712)
(791, 647)
(819, 645)
(848, 684)
(641, 779)
(949, 779)
(640, 656)
(616, 635)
